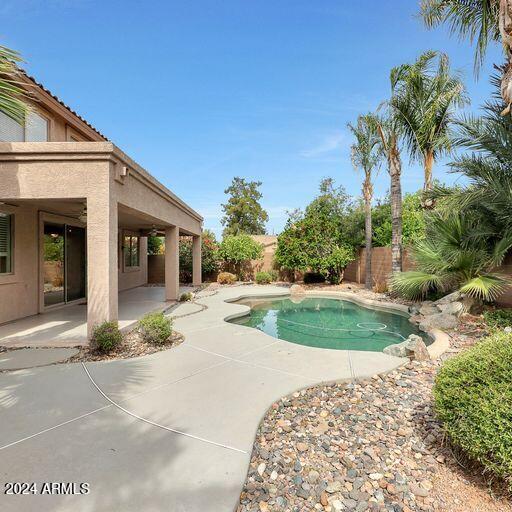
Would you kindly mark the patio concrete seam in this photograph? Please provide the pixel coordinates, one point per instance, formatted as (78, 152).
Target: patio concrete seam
(351, 366)
(153, 423)
(255, 365)
(67, 422)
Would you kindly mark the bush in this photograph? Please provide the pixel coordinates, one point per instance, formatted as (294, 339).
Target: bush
(263, 277)
(106, 336)
(155, 328)
(473, 399)
(313, 277)
(185, 297)
(498, 318)
(226, 278)
(239, 249)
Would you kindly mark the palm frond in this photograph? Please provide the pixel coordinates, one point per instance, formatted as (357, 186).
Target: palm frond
(416, 284)
(486, 287)
(12, 95)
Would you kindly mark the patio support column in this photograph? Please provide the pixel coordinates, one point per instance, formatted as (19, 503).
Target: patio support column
(172, 263)
(102, 286)
(196, 260)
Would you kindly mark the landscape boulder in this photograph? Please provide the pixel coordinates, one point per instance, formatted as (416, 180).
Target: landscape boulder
(438, 321)
(413, 347)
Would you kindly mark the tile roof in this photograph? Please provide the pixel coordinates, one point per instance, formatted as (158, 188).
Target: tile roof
(56, 98)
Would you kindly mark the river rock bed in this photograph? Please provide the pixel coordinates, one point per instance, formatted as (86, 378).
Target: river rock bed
(371, 445)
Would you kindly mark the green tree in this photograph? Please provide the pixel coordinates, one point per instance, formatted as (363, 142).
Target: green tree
(366, 155)
(413, 221)
(314, 240)
(485, 21)
(12, 95)
(155, 245)
(424, 100)
(237, 250)
(243, 212)
(209, 256)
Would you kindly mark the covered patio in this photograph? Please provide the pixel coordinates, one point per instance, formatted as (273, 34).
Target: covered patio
(67, 327)
(75, 220)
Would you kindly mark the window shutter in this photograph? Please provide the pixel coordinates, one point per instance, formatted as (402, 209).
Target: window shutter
(5, 243)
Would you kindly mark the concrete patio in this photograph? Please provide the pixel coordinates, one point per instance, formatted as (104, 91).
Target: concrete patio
(67, 326)
(170, 431)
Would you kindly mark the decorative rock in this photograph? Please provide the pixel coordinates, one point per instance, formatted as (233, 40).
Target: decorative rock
(438, 321)
(302, 447)
(313, 476)
(447, 299)
(452, 308)
(261, 468)
(427, 309)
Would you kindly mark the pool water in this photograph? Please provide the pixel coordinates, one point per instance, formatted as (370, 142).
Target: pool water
(328, 323)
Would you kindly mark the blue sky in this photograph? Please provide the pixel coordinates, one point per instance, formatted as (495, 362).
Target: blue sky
(200, 91)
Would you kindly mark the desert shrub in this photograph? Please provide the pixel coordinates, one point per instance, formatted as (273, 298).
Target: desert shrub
(185, 297)
(263, 277)
(473, 399)
(498, 318)
(106, 336)
(209, 256)
(237, 250)
(313, 277)
(155, 328)
(226, 278)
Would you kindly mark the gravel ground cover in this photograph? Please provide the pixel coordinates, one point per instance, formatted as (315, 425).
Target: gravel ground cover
(372, 445)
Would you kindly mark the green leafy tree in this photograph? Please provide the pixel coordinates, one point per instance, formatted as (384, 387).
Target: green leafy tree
(413, 221)
(315, 239)
(12, 95)
(366, 156)
(243, 212)
(155, 245)
(209, 256)
(425, 97)
(237, 250)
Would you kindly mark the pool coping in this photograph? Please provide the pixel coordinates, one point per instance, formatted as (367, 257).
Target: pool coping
(439, 345)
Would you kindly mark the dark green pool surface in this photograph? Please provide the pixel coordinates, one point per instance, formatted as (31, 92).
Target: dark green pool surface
(328, 323)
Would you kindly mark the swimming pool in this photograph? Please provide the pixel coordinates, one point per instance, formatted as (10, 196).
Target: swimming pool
(328, 323)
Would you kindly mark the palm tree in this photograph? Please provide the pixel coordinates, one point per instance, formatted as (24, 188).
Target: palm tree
(388, 131)
(12, 94)
(463, 249)
(366, 155)
(452, 258)
(482, 20)
(425, 95)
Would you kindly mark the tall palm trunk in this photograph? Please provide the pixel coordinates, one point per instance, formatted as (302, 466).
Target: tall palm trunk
(428, 166)
(367, 193)
(395, 171)
(505, 26)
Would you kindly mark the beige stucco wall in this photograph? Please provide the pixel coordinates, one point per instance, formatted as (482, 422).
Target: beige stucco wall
(101, 175)
(130, 278)
(19, 290)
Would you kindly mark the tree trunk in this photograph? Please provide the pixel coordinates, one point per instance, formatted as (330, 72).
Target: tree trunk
(429, 164)
(367, 193)
(395, 170)
(505, 25)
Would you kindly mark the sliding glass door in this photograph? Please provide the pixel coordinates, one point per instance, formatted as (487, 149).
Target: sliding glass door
(64, 263)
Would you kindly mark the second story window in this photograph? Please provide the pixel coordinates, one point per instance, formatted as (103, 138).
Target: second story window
(35, 129)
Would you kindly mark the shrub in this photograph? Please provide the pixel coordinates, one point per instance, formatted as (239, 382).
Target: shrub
(473, 399)
(263, 277)
(238, 249)
(106, 337)
(226, 278)
(209, 256)
(498, 318)
(313, 277)
(155, 328)
(185, 297)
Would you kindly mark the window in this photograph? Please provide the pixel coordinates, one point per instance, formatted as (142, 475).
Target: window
(35, 129)
(131, 251)
(5, 243)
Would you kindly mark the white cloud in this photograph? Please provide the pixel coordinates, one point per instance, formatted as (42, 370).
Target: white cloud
(330, 143)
